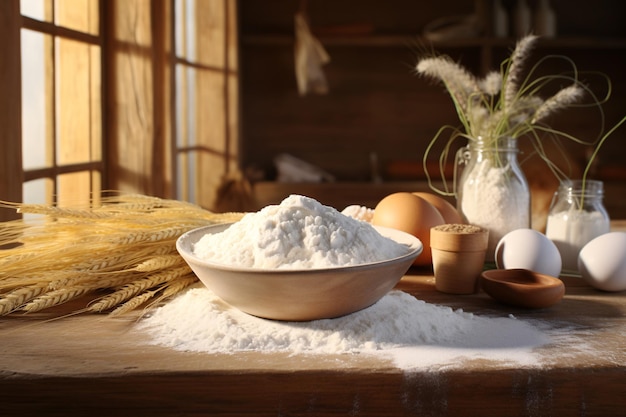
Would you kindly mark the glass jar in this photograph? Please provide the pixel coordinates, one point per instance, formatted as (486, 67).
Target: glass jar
(577, 215)
(492, 191)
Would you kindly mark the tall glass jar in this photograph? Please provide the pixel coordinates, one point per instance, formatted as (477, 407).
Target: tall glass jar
(577, 215)
(492, 191)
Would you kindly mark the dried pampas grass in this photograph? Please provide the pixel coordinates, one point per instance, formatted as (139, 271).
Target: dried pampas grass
(125, 246)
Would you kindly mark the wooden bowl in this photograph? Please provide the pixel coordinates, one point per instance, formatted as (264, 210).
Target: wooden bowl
(522, 287)
(300, 295)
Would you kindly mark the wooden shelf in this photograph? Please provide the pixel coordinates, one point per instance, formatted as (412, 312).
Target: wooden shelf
(364, 40)
(568, 42)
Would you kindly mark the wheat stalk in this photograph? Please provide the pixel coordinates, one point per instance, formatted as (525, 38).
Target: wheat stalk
(124, 257)
(152, 235)
(159, 262)
(54, 298)
(130, 290)
(166, 292)
(133, 303)
(12, 283)
(179, 285)
(14, 300)
(63, 212)
(123, 244)
(98, 280)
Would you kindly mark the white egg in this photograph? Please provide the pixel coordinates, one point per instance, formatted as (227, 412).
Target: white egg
(528, 249)
(602, 262)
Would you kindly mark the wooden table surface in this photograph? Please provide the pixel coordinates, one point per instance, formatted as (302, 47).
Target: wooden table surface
(93, 365)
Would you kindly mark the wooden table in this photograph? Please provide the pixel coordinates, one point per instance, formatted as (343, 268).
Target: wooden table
(93, 365)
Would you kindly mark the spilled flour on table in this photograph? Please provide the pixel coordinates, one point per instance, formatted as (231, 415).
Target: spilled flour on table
(411, 332)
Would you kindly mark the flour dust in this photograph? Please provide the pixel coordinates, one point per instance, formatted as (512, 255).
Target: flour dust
(411, 332)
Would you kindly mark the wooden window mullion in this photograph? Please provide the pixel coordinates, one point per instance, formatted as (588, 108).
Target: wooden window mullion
(11, 173)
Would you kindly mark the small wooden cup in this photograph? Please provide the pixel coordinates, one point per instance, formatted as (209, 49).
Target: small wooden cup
(458, 252)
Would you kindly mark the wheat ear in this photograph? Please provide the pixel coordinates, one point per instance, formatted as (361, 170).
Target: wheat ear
(133, 303)
(136, 287)
(14, 300)
(55, 298)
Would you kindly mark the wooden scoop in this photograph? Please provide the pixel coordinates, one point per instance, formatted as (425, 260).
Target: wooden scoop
(522, 287)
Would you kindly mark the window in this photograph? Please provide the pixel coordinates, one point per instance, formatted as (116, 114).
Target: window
(206, 82)
(173, 97)
(130, 95)
(61, 101)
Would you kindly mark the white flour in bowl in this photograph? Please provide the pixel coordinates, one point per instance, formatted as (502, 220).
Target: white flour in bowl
(300, 233)
(410, 331)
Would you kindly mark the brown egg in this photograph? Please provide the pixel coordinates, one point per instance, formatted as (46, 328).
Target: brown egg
(449, 213)
(411, 214)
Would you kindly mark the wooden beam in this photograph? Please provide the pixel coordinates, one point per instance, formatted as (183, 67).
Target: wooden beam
(161, 68)
(11, 176)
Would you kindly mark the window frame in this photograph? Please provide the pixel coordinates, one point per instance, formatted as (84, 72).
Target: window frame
(159, 173)
(49, 28)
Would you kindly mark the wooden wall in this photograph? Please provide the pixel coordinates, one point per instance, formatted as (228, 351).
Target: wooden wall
(376, 103)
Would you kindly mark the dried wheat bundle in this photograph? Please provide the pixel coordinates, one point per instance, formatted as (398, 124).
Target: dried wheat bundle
(124, 245)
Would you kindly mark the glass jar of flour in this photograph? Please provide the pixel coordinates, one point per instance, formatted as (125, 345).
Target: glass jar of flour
(492, 191)
(577, 215)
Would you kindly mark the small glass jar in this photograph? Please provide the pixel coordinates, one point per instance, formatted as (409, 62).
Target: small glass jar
(577, 215)
(492, 191)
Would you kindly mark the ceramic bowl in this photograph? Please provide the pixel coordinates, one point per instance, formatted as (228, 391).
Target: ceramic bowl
(304, 294)
(522, 287)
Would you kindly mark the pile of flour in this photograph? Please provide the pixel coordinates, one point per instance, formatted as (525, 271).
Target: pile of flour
(300, 233)
(411, 332)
